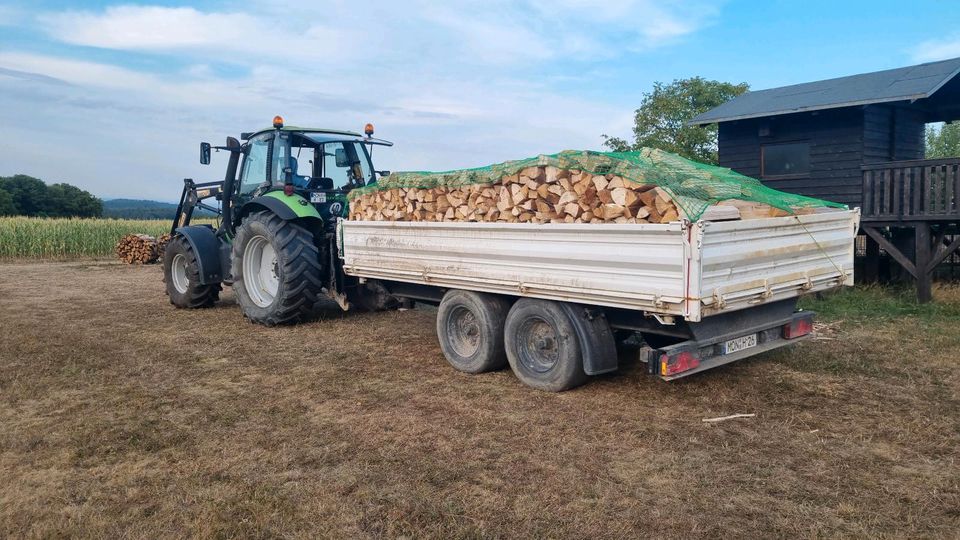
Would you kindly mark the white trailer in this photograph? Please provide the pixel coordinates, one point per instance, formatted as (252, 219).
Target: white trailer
(701, 294)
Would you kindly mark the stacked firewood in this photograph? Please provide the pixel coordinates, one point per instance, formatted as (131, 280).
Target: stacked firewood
(162, 242)
(137, 249)
(542, 194)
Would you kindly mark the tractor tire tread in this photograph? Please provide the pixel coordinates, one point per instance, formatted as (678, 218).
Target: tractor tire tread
(197, 295)
(301, 281)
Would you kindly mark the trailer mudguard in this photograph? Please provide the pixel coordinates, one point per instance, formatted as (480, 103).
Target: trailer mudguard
(286, 207)
(597, 345)
(206, 246)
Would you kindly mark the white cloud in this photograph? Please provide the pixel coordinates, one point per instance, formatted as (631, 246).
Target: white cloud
(487, 32)
(937, 49)
(150, 27)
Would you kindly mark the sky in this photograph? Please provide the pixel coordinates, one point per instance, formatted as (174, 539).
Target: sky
(114, 97)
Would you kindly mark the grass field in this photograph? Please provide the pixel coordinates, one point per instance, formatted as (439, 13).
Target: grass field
(122, 417)
(63, 238)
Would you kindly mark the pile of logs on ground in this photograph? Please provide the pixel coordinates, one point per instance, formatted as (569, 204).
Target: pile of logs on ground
(162, 242)
(541, 195)
(137, 249)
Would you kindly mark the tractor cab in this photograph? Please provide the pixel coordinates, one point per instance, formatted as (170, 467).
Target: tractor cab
(318, 165)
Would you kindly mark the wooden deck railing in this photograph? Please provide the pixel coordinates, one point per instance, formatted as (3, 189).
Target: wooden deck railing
(922, 189)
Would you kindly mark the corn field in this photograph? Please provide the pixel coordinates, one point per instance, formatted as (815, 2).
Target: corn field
(54, 238)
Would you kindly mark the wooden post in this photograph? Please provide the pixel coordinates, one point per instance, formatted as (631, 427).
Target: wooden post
(871, 261)
(922, 260)
(905, 241)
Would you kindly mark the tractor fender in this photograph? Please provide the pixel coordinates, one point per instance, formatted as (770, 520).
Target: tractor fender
(597, 344)
(286, 207)
(206, 246)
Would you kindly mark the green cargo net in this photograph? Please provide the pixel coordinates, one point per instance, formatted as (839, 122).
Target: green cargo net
(693, 186)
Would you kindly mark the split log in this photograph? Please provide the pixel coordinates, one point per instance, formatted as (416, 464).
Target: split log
(162, 242)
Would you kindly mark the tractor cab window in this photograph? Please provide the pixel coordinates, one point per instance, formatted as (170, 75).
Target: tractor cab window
(255, 172)
(302, 162)
(346, 163)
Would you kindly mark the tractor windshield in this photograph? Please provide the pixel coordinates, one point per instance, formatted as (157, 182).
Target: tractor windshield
(321, 161)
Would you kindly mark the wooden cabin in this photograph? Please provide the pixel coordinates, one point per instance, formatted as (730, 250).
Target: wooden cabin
(858, 140)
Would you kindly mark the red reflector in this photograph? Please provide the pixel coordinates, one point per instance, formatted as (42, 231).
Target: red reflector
(797, 328)
(678, 363)
(288, 189)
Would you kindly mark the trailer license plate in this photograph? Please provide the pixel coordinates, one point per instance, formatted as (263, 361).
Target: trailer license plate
(318, 197)
(739, 344)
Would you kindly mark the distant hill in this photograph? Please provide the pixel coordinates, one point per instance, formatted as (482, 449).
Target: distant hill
(143, 209)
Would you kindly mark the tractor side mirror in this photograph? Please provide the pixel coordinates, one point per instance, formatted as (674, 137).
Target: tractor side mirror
(341, 158)
(204, 153)
(383, 173)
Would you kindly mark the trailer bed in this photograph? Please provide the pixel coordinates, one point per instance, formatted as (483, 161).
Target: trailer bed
(691, 270)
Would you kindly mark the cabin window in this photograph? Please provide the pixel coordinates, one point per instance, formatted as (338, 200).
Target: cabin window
(787, 159)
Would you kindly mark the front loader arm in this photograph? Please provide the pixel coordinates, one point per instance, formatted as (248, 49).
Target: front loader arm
(190, 199)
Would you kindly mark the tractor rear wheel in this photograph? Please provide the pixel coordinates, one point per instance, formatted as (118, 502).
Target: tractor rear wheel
(276, 270)
(181, 274)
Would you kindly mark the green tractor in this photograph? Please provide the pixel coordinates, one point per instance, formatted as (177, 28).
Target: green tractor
(283, 191)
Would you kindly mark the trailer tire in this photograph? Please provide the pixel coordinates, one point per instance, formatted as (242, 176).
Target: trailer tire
(285, 283)
(470, 330)
(181, 275)
(542, 346)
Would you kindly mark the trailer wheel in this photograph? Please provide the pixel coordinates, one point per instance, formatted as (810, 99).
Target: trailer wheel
(181, 275)
(470, 330)
(542, 346)
(276, 270)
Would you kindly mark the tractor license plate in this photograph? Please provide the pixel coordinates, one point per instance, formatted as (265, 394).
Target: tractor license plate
(739, 344)
(318, 197)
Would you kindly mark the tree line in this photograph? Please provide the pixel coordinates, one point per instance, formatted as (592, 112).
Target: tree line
(22, 195)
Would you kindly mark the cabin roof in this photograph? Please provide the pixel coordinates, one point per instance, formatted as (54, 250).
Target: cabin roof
(901, 84)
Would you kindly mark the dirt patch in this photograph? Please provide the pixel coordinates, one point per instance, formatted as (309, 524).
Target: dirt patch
(121, 416)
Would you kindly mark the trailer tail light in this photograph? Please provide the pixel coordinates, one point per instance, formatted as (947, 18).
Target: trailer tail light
(798, 327)
(678, 362)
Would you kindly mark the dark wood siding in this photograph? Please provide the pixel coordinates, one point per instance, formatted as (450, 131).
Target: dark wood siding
(877, 122)
(836, 138)
(892, 133)
(908, 140)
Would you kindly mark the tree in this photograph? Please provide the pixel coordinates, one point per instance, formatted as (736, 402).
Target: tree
(29, 196)
(7, 208)
(943, 142)
(661, 120)
(71, 201)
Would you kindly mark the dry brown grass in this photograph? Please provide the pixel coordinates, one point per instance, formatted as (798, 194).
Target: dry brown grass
(121, 417)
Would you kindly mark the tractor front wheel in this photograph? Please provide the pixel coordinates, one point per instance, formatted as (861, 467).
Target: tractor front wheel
(181, 274)
(276, 270)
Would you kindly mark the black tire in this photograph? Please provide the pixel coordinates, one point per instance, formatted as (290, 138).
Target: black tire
(542, 346)
(192, 294)
(297, 270)
(470, 330)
